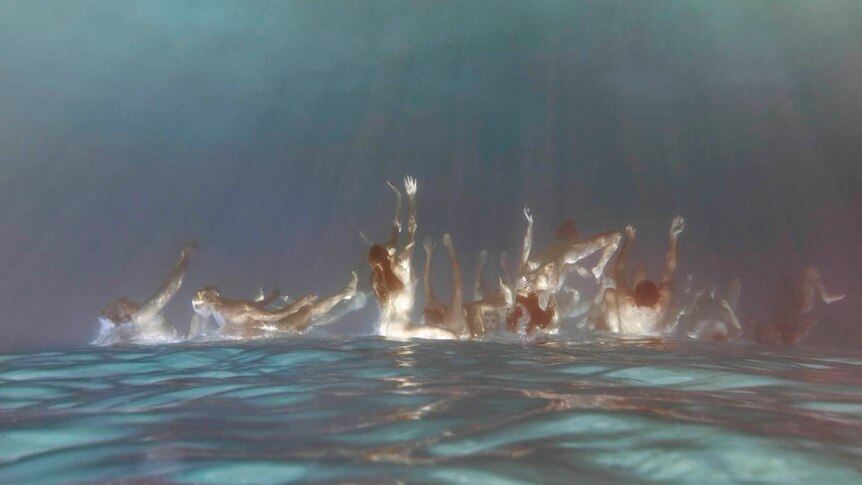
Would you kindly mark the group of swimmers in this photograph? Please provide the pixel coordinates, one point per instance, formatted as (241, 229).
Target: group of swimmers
(534, 302)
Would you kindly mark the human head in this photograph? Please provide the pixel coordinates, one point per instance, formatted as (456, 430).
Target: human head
(119, 311)
(383, 279)
(205, 300)
(646, 293)
(567, 231)
(379, 256)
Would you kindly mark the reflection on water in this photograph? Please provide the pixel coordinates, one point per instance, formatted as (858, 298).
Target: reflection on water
(463, 412)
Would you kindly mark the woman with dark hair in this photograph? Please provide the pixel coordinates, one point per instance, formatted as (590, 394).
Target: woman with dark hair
(393, 279)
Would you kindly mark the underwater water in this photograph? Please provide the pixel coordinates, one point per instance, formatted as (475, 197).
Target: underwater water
(372, 410)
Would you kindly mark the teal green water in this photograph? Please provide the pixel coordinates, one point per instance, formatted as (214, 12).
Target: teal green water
(371, 410)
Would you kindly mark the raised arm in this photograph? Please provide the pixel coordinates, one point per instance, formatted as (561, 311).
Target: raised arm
(620, 263)
(670, 264)
(504, 267)
(457, 299)
(528, 243)
(426, 278)
(736, 330)
(157, 302)
(396, 224)
(410, 189)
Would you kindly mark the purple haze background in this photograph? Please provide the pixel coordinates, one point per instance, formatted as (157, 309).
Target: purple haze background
(266, 130)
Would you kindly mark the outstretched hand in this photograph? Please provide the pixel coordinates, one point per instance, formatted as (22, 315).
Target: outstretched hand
(631, 232)
(483, 257)
(394, 189)
(528, 215)
(410, 186)
(428, 245)
(447, 240)
(677, 226)
(189, 248)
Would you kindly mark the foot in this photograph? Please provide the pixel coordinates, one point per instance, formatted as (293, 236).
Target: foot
(830, 299)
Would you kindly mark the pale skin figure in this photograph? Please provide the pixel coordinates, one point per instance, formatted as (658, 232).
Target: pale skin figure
(548, 270)
(148, 317)
(244, 318)
(708, 318)
(393, 279)
(471, 319)
(795, 301)
(641, 310)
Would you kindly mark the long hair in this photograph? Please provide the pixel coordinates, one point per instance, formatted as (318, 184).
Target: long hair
(383, 279)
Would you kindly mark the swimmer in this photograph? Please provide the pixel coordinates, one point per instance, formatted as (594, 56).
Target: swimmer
(243, 318)
(549, 269)
(708, 318)
(142, 322)
(530, 311)
(791, 314)
(393, 280)
(472, 319)
(642, 311)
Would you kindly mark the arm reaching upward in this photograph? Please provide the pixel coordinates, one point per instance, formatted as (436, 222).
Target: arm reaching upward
(504, 267)
(426, 278)
(457, 299)
(157, 302)
(410, 189)
(528, 243)
(396, 224)
(736, 330)
(670, 264)
(620, 264)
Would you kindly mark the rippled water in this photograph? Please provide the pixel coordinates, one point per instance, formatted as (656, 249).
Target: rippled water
(371, 410)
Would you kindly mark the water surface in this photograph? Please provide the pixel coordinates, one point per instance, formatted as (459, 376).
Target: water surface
(372, 410)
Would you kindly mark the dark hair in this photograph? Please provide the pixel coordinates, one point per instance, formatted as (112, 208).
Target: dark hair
(383, 279)
(119, 311)
(567, 231)
(646, 293)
